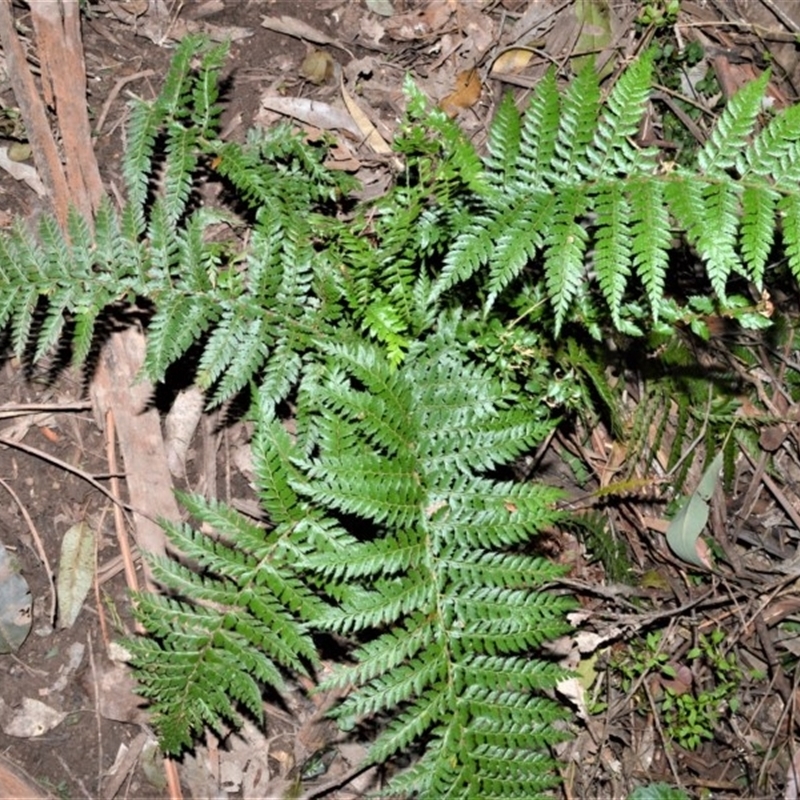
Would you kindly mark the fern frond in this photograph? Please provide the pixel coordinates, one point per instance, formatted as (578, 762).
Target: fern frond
(540, 129)
(789, 210)
(471, 251)
(724, 146)
(144, 123)
(774, 154)
(651, 237)
(424, 585)
(180, 321)
(248, 346)
(205, 109)
(172, 99)
(503, 144)
(181, 160)
(717, 241)
(520, 240)
(613, 254)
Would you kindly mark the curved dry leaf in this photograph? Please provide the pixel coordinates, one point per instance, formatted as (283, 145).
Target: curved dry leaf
(312, 112)
(301, 30)
(512, 61)
(364, 123)
(466, 94)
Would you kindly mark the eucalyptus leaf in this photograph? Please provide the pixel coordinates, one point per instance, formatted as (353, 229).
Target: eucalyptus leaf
(683, 533)
(75, 572)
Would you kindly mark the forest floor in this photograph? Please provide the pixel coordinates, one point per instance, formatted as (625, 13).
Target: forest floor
(70, 724)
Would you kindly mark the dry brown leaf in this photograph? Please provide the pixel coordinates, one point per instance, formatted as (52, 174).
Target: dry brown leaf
(466, 94)
(301, 30)
(409, 27)
(312, 112)
(371, 29)
(512, 61)
(480, 32)
(438, 13)
(364, 123)
(340, 157)
(539, 16)
(317, 67)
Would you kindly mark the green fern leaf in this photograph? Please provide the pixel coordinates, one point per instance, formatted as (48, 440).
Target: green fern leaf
(613, 254)
(177, 325)
(729, 136)
(424, 584)
(774, 154)
(789, 209)
(179, 169)
(564, 253)
(251, 340)
(579, 112)
(651, 237)
(504, 142)
(145, 120)
(540, 128)
(717, 240)
(520, 242)
(237, 626)
(472, 250)
(611, 152)
(757, 229)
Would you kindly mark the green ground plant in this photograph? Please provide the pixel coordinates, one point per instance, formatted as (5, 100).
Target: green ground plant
(689, 715)
(398, 357)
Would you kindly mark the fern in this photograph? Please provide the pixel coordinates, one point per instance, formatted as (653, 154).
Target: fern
(424, 342)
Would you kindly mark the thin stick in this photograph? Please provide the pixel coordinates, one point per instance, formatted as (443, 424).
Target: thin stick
(119, 521)
(101, 614)
(23, 409)
(97, 719)
(90, 479)
(39, 549)
(173, 781)
(112, 95)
